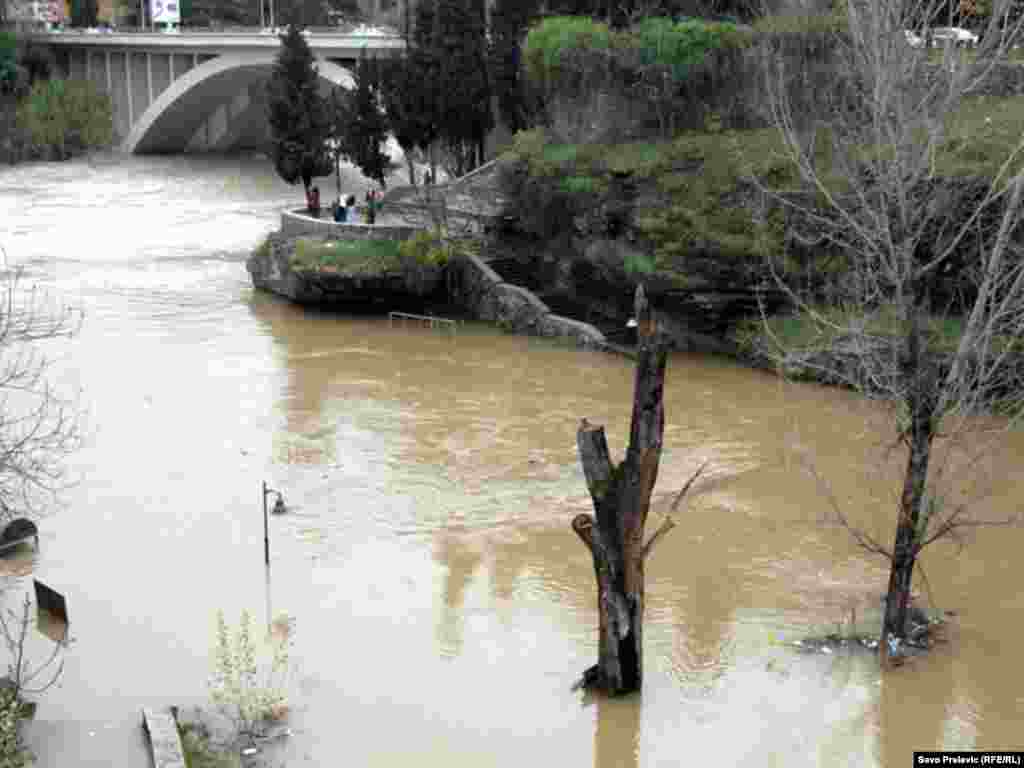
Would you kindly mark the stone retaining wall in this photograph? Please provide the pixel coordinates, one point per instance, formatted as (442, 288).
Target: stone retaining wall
(482, 292)
(474, 223)
(301, 223)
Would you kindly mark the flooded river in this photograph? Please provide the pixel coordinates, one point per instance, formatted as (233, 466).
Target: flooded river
(442, 605)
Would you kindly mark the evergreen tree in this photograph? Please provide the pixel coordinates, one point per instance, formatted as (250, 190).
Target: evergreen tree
(297, 113)
(425, 70)
(410, 117)
(509, 22)
(304, 13)
(458, 48)
(360, 127)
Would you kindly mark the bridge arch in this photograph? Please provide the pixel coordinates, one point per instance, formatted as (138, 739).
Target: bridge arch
(224, 94)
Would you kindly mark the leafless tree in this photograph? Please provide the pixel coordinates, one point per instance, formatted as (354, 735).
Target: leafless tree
(24, 675)
(38, 429)
(921, 246)
(38, 426)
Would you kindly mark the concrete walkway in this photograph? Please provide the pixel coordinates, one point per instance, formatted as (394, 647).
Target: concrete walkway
(57, 744)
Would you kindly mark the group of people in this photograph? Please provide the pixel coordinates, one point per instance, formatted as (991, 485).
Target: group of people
(347, 212)
(344, 209)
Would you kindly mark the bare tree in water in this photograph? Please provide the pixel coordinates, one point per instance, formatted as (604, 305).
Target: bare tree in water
(899, 190)
(39, 427)
(622, 498)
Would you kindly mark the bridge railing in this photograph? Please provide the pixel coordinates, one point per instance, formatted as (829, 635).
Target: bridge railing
(222, 30)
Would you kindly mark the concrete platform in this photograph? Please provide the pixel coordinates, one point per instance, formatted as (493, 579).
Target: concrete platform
(95, 744)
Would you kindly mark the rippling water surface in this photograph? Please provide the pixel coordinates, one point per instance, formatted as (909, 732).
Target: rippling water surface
(442, 605)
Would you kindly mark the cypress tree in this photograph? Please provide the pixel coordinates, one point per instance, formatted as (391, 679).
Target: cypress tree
(297, 113)
(367, 129)
(464, 104)
(509, 22)
(406, 102)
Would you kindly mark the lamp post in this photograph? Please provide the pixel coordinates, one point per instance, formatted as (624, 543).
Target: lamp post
(279, 509)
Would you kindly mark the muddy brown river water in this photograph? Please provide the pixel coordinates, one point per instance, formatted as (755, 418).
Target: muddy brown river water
(442, 606)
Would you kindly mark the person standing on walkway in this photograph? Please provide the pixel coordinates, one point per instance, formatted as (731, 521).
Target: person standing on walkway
(371, 207)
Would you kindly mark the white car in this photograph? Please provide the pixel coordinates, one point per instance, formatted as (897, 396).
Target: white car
(914, 41)
(956, 35)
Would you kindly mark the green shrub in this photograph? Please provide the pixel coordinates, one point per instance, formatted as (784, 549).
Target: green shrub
(200, 752)
(262, 250)
(596, 84)
(580, 185)
(8, 61)
(38, 60)
(709, 211)
(426, 249)
(530, 178)
(250, 693)
(636, 263)
(12, 752)
(684, 70)
(681, 45)
(66, 114)
(550, 45)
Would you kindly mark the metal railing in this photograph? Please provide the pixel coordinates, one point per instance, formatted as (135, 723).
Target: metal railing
(430, 320)
(219, 30)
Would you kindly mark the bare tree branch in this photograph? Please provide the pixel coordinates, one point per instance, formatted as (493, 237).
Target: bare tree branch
(922, 250)
(38, 427)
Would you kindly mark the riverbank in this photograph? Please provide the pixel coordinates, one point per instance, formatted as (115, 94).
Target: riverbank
(56, 120)
(13, 141)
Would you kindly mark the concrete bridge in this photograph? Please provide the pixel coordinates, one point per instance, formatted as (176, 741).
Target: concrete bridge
(197, 91)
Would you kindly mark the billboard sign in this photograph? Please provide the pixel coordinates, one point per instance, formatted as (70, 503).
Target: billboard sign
(165, 11)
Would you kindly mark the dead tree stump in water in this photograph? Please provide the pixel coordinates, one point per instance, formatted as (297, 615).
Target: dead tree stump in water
(622, 497)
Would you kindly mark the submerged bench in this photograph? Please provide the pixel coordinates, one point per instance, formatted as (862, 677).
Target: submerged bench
(17, 531)
(164, 740)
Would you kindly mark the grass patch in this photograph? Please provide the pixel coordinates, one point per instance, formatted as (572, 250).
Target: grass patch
(581, 185)
(804, 332)
(981, 135)
(936, 54)
(346, 257)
